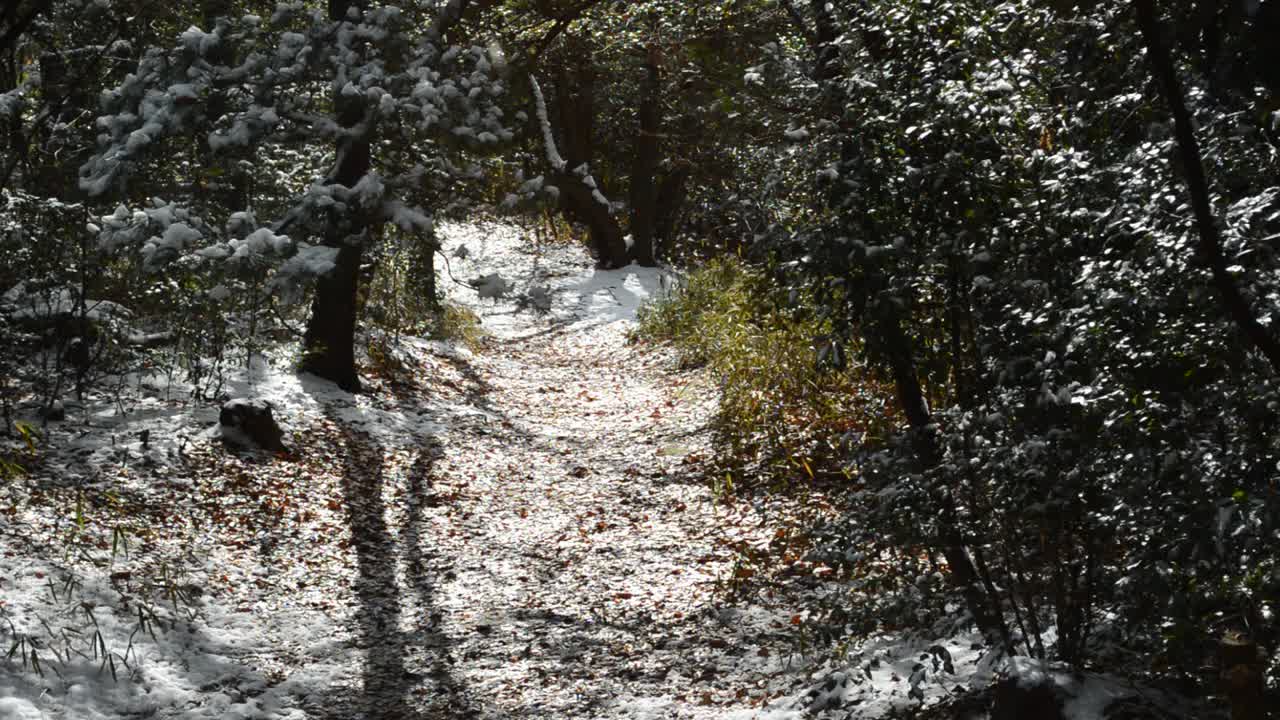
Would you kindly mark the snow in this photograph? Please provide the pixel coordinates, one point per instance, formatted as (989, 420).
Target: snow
(261, 242)
(12, 708)
(1029, 672)
(204, 668)
(548, 140)
(177, 236)
(11, 103)
(560, 564)
(308, 262)
(599, 303)
(199, 41)
(31, 304)
(408, 218)
(1091, 697)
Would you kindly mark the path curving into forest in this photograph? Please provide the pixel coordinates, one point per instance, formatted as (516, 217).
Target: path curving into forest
(556, 555)
(520, 530)
(563, 555)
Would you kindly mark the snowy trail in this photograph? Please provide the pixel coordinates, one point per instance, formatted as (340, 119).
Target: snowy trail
(567, 565)
(512, 533)
(518, 532)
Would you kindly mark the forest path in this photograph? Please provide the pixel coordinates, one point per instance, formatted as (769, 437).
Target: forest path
(515, 532)
(569, 564)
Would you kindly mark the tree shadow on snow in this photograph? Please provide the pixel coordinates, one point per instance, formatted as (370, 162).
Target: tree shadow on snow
(476, 388)
(406, 673)
(169, 648)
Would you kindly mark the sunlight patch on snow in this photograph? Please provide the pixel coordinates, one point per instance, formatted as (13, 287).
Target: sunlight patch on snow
(193, 671)
(554, 529)
(1092, 697)
(557, 277)
(15, 708)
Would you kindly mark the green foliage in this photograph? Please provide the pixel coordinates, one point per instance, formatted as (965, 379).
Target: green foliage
(996, 226)
(966, 202)
(455, 323)
(402, 296)
(778, 405)
(14, 461)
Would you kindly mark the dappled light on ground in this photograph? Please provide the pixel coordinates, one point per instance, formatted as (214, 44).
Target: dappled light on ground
(516, 532)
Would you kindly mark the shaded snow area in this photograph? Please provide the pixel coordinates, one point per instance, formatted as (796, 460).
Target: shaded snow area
(517, 532)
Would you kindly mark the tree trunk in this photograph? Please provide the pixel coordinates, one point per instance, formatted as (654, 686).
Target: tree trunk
(671, 196)
(575, 109)
(1210, 245)
(14, 142)
(49, 176)
(644, 193)
(925, 442)
(888, 328)
(1264, 39)
(1242, 676)
(827, 55)
(15, 21)
(329, 341)
(605, 233)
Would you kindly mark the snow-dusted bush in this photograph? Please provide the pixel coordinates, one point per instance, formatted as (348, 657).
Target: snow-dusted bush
(413, 91)
(376, 101)
(1089, 443)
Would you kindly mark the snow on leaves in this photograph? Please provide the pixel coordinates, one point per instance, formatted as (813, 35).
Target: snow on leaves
(411, 89)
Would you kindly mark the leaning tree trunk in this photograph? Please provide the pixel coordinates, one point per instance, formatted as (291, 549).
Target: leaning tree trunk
(575, 105)
(644, 192)
(605, 234)
(1210, 246)
(329, 341)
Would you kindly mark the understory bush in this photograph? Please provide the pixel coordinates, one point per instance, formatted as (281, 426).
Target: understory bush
(782, 408)
(1082, 458)
(401, 296)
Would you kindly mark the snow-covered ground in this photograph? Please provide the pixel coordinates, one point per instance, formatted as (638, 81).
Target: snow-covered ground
(516, 532)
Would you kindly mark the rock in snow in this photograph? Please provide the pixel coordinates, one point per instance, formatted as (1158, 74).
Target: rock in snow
(249, 424)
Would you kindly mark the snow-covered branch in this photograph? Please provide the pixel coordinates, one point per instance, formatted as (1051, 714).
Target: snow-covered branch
(580, 173)
(439, 94)
(548, 140)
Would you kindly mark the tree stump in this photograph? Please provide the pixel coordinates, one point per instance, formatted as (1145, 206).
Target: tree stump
(249, 424)
(1240, 676)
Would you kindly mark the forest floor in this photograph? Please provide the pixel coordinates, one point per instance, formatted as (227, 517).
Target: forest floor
(521, 531)
(526, 530)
